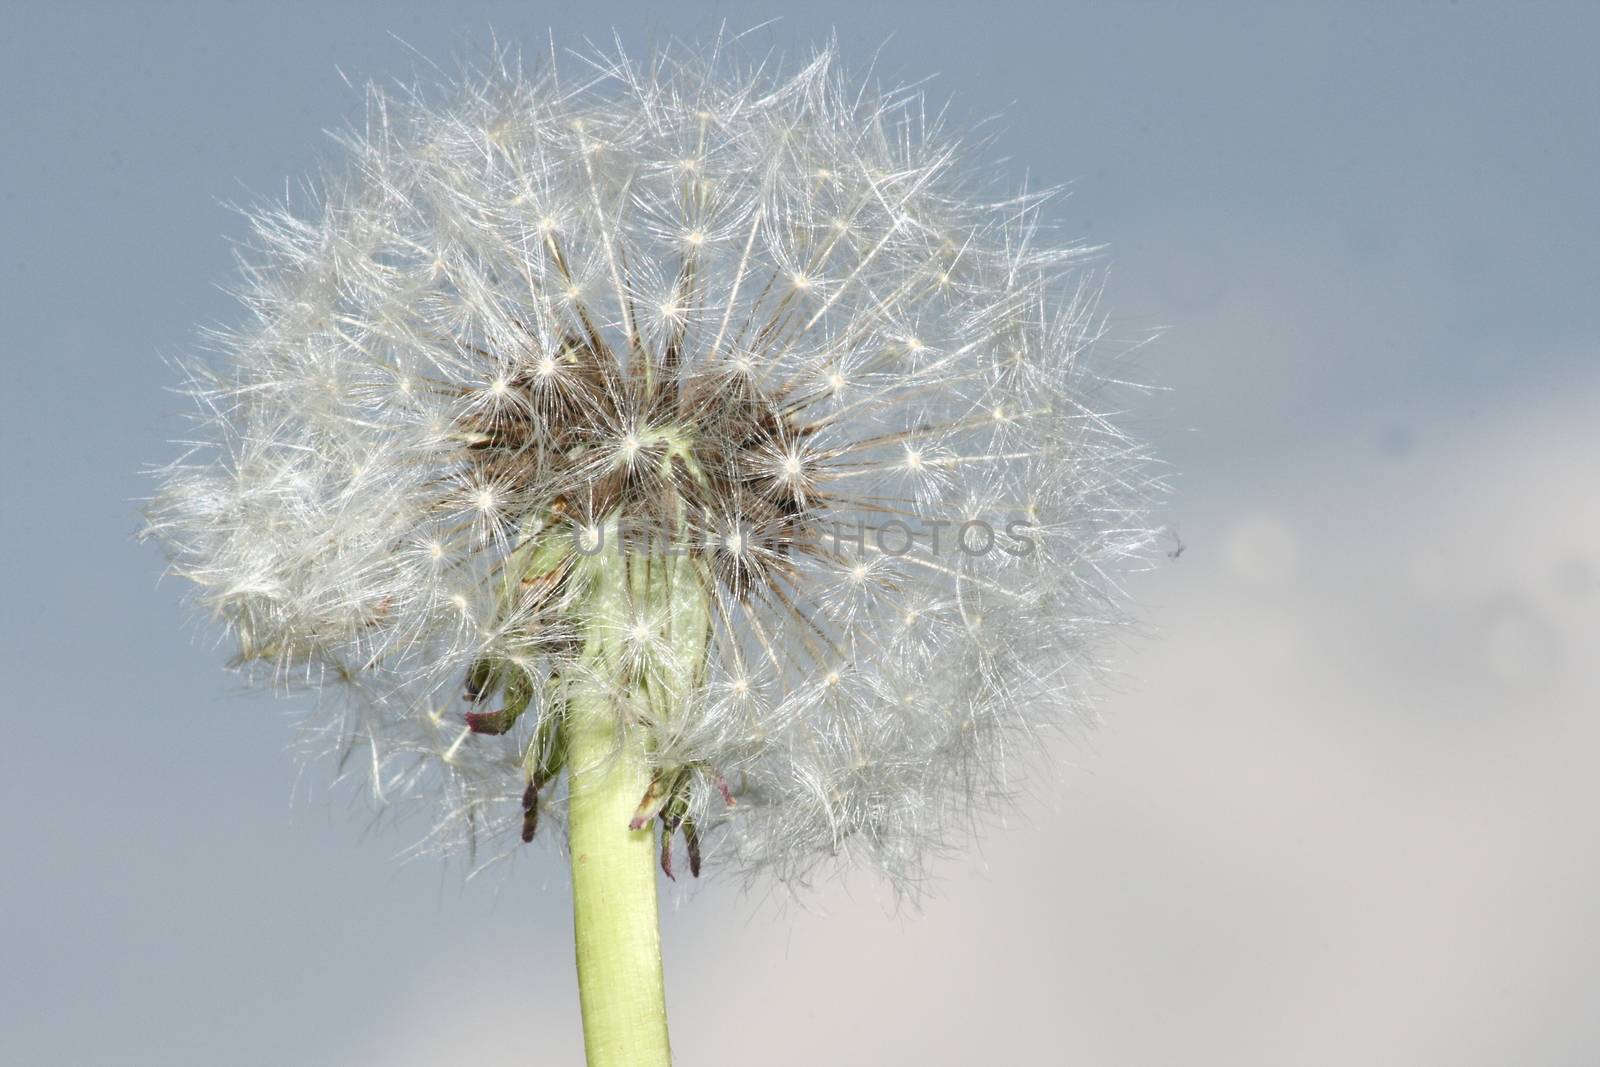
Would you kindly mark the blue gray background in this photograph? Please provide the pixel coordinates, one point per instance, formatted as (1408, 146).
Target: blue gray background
(1342, 809)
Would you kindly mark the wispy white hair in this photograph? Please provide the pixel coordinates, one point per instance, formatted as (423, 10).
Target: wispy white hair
(786, 302)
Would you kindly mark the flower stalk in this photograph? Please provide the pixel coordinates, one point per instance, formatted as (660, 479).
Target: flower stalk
(647, 628)
(620, 984)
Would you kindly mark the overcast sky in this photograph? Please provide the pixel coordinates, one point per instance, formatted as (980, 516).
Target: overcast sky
(1341, 808)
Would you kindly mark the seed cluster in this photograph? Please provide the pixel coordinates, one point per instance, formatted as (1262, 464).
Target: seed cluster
(532, 308)
(684, 454)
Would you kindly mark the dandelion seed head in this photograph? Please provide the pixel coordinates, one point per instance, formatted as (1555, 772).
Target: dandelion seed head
(772, 313)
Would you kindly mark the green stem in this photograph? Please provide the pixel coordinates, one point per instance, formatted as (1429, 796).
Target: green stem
(620, 983)
(611, 701)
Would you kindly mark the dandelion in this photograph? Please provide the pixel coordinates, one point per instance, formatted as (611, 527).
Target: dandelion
(697, 458)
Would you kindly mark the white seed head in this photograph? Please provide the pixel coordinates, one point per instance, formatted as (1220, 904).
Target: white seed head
(449, 370)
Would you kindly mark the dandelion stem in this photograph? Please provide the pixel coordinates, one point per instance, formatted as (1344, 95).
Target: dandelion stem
(618, 683)
(620, 982)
